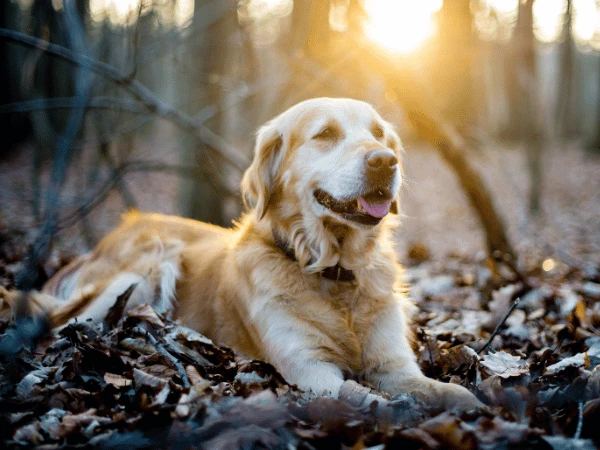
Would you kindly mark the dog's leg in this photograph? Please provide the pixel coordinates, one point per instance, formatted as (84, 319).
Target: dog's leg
(288, 344)
(392, 366)
(291, 346)
(63, 283)
(310, 374)
(92, 302)
(153, 267)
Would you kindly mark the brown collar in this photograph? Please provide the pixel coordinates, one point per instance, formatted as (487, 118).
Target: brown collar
(335, 273)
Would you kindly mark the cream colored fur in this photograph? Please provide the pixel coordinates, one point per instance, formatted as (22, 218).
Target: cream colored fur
(236, 287)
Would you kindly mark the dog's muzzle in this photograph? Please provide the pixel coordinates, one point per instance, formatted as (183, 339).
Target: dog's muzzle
(381, 166)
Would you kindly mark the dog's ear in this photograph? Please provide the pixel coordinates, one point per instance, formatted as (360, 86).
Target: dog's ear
(257, 183)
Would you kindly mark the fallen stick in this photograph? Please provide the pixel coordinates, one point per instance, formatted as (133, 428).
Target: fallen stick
(160, 348)
(501, 324)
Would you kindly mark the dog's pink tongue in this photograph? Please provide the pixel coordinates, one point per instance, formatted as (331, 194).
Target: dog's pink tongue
(376, 209)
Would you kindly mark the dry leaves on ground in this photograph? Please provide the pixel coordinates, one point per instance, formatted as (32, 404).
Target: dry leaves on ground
(139, 380)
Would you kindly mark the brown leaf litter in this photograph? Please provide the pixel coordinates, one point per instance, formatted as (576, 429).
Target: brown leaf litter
(139, 380)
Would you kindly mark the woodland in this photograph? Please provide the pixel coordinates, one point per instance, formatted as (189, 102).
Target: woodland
(112, 105)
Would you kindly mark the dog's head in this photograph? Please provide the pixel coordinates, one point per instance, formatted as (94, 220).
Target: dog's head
(326, 161)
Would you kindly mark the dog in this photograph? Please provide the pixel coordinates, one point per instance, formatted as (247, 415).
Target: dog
(307, 280)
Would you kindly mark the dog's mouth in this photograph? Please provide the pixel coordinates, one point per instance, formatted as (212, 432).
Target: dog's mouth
(368, 209)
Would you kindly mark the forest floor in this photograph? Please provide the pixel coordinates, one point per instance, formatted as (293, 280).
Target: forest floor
(140, 381)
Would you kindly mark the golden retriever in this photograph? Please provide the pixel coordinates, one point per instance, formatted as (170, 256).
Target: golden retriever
(307, 280)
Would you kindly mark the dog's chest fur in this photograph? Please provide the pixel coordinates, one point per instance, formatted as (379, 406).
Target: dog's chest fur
(334, 319)
(342, 315)
(356, 314)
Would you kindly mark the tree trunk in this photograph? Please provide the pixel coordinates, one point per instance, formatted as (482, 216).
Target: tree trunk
(531, 126)
(594, 142)
(13, 127)
(203, 200)
(455, 48)
(565, 107)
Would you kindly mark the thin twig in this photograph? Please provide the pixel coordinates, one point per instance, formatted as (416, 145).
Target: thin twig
(126, 194)
(163, 351)
(525, 226)
(130, 106)
(501, 324)
(153, 102)
(112, 103)
(431, 361)
(577, 434)
(206, 113)
(508, 261)
(206, 14)
(136, 40)
(316, 71)
(130, 126)
(117, 176)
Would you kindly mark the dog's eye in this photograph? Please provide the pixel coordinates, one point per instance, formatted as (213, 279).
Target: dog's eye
(326, 133)
(378, 132)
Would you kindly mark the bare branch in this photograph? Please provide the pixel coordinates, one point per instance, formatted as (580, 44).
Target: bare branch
(163, 351)
(117, 176)
(136, 41)
(126, 194)
(27, 277)
(323, 75)
(131, 106)
(515, 303)
(129, 126)
(516, 299)
(154, 103)
(209, 13)
(577, 434)
(112, 103)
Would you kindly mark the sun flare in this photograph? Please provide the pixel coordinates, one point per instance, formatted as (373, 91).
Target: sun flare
(548, 18)
(400, 26)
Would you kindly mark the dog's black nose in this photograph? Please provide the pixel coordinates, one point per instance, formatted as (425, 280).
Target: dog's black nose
(381, 161)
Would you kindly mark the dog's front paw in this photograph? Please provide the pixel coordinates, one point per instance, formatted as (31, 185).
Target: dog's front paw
(359, 396)
(439, 395)
(453, 397)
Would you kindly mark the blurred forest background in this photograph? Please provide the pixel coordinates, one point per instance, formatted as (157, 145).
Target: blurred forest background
(107, 105)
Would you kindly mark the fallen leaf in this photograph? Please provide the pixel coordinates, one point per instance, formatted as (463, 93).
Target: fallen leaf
(579, 360)
(142, 378)
(145, 313)
(504, 365)
(115, 312)
(116, 380)
(451, 431)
